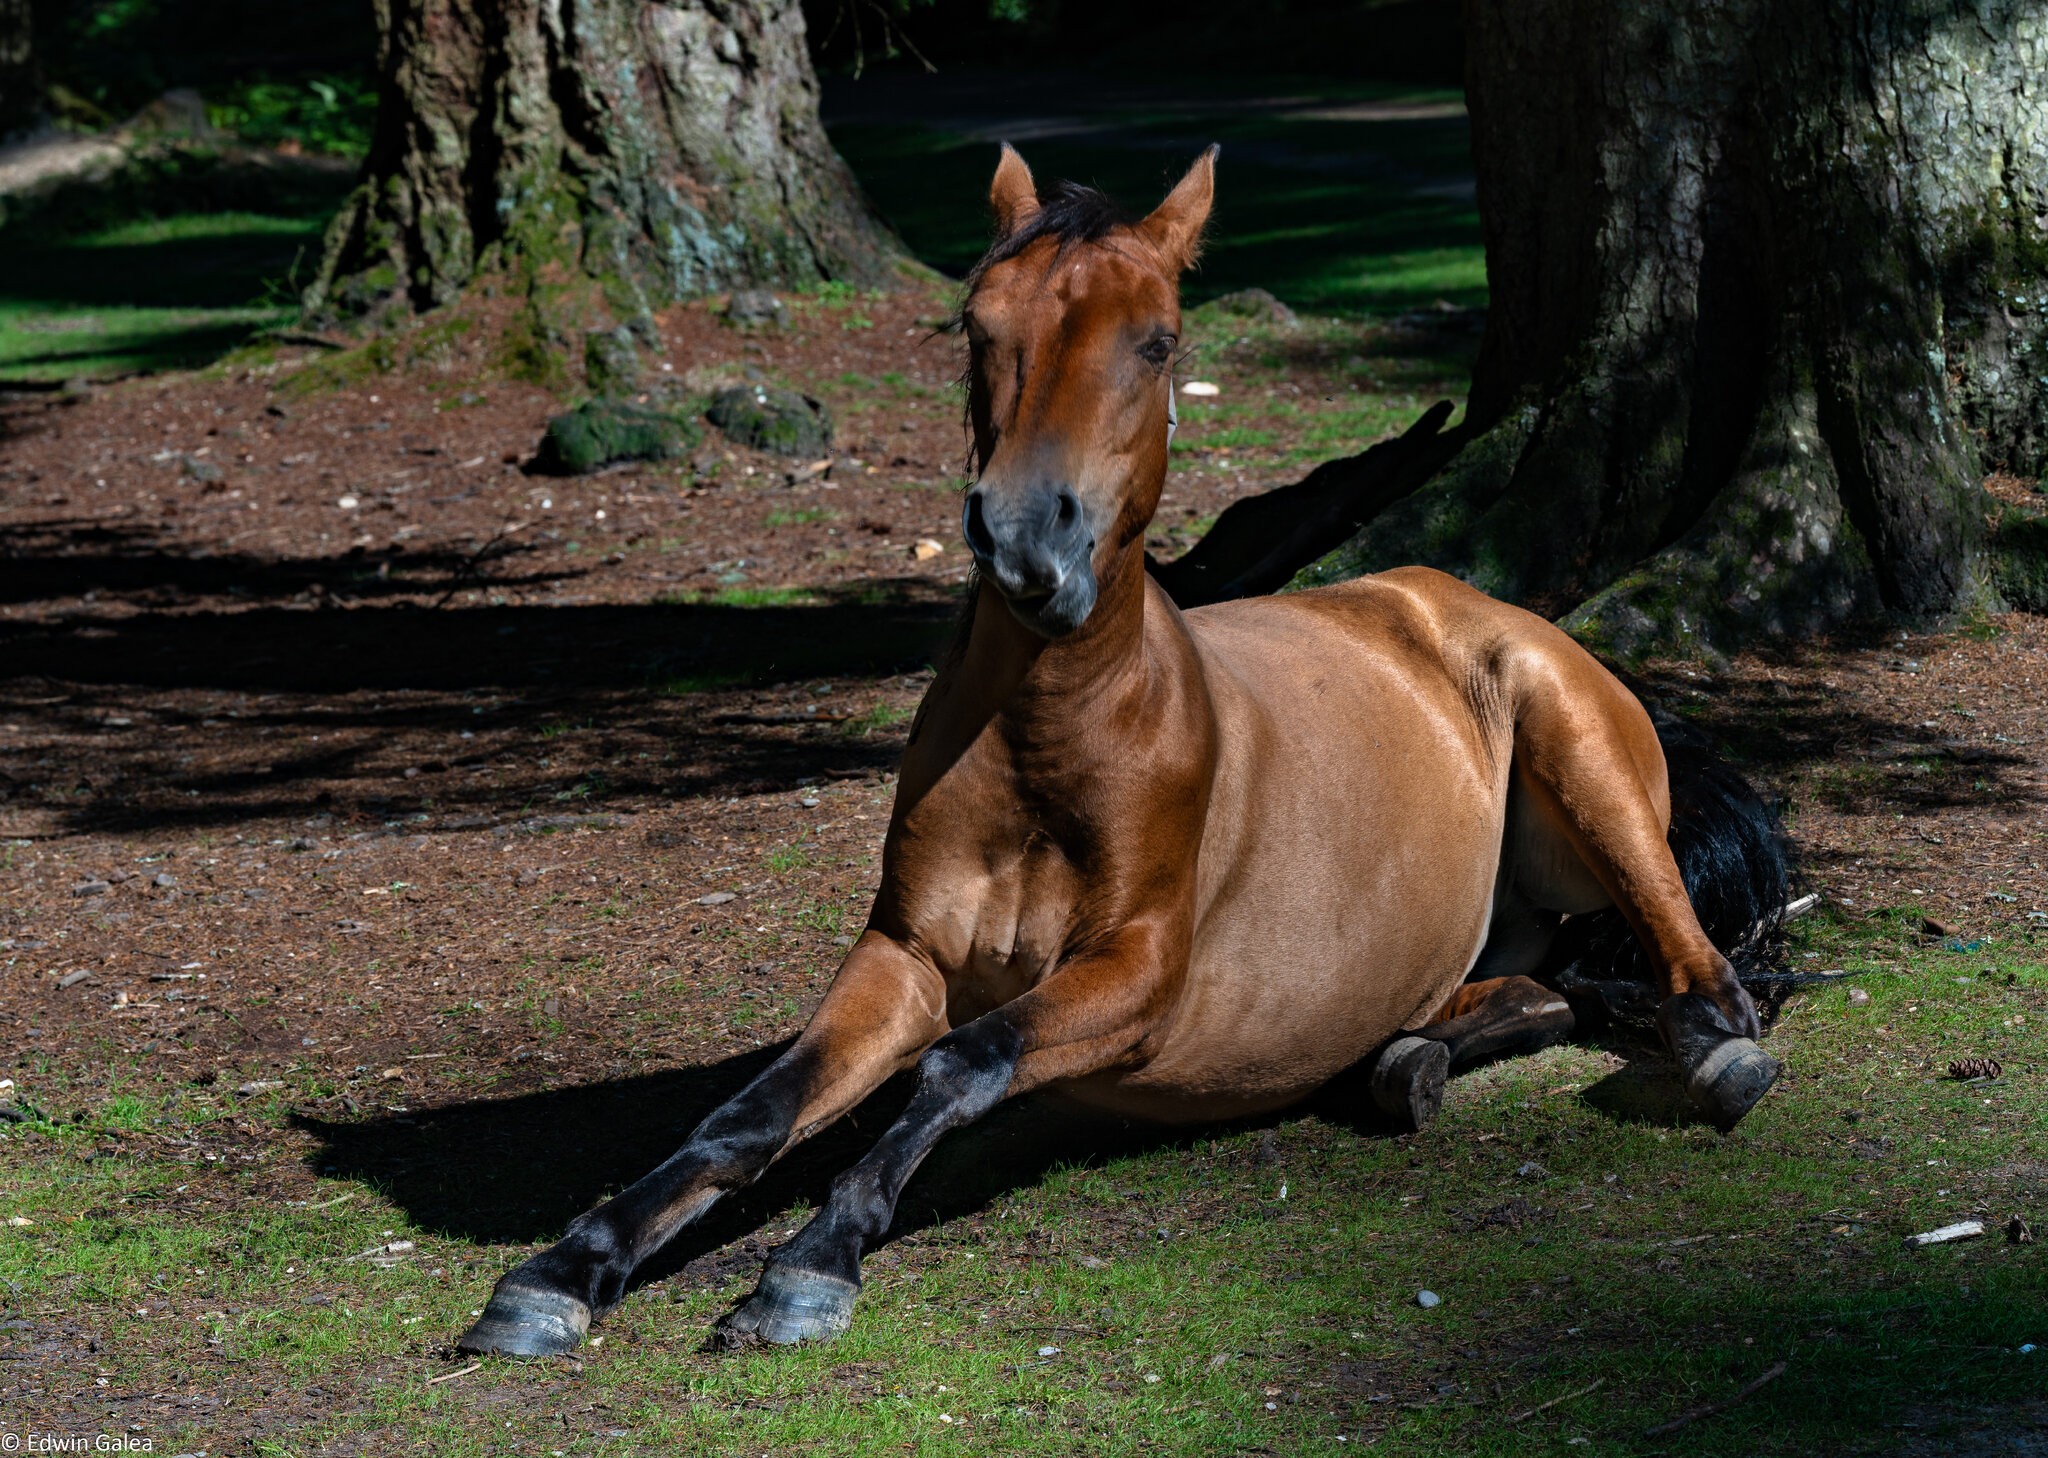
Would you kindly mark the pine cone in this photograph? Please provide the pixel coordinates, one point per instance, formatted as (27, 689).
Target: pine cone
(1968, 1068)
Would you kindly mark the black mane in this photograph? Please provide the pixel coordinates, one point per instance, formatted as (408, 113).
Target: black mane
(1070, 213)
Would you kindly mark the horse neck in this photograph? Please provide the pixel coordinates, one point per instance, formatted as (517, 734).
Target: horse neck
(1048, 691)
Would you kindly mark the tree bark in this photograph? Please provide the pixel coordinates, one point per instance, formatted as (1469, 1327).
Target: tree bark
(654, 148)
(21, 82)
(1767, 285)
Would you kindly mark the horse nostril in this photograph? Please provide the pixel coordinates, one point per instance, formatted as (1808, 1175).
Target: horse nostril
(974, 526)
(1069, 509)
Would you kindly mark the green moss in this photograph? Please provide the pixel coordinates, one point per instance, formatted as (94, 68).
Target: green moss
(775, 420)
(344, 369)
(599, 432)
(2019, 560)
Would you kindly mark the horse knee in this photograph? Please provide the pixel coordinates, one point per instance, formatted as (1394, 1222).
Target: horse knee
(967, 1072)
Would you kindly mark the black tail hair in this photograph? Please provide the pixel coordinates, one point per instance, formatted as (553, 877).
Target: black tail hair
(1736, 865)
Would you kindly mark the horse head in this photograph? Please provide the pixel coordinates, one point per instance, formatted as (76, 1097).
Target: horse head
(1073, 323)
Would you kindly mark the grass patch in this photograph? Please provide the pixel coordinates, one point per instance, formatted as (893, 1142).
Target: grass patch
(1226, 1291)
(149, 294)
(746, 597)
(1330, 203)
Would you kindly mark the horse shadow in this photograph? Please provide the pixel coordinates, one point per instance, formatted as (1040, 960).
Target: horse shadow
(516, 1170)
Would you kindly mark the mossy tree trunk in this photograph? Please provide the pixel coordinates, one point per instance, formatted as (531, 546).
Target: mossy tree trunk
(655, 149)
(1767, 299)
(21, 84)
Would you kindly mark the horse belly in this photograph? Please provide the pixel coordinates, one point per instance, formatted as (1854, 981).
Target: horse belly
(1348, 887)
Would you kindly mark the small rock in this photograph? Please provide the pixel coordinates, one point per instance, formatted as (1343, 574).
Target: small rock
(716, 898)
(94, 887)
(1532, 1171)
(19, 1222)
(611, 361)
(1048, 1351)
(751, 307)
(1858, 997)
(204, 472)
(72, 979)
(163, 878)
(259, 1086)
(1428, 1299)
(1200, 389)
(770, 419)
(809, 802)
(1257, 305)
(926, 548)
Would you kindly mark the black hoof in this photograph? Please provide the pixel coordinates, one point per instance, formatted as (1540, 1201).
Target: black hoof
(791, 1306)
(1728, 1083)
(1408, 1080)
(527, 1321)
(1725, 1074)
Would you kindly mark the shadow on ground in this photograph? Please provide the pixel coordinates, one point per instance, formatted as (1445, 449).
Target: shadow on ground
(517, 1170)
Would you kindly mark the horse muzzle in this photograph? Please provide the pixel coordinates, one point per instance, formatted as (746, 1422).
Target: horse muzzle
(1034, 544)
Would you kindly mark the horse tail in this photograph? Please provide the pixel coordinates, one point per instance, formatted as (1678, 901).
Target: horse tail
(1735, 861)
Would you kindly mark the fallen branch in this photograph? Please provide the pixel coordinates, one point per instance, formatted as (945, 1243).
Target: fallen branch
(1708, 1409)
(1526, 1414)
(451, 1376)
(1259, 543)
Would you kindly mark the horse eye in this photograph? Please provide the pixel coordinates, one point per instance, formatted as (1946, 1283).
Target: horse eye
(1159, 350)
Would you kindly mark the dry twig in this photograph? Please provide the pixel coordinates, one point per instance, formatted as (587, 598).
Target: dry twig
(1708, 1409)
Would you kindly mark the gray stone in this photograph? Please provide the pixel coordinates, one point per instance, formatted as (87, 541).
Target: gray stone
(751, 307)
(769, 419)
(611, 361)
(1259, 306)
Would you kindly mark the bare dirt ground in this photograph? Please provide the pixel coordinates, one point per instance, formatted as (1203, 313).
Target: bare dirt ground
(337, 751)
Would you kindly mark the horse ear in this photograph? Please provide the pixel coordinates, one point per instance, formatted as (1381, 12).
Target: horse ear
(1013, 194)
(1175, 227)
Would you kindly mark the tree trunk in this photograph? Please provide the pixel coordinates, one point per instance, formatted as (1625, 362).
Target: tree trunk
(21, 83)
(1767, 284)
(654, 148)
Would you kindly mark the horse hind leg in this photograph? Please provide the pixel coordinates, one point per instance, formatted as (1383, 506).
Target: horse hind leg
(1502, 1017)
(1499, 1017)
(1591, 777)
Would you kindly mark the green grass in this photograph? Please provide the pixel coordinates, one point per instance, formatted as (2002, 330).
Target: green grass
(1578, 1228)
(746, 597)
(1339, 214)
(150, 294)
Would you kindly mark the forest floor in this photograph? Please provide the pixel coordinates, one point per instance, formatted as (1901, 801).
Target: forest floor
(399, 851)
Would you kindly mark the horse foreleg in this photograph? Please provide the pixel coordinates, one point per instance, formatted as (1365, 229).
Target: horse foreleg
(1091, 1014)
(883, 1008)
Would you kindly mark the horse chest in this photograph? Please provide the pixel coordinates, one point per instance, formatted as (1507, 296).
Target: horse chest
(995, 935)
